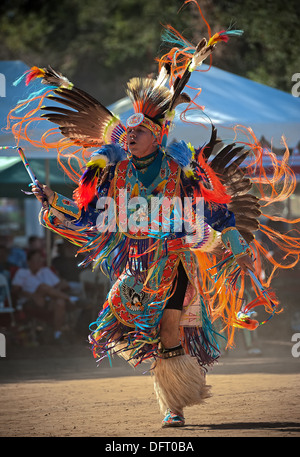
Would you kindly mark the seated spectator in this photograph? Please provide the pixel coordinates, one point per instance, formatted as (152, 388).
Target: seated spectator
(66, 265)
(16, 255)
(42, 293)
(4, 263)
(36, 243)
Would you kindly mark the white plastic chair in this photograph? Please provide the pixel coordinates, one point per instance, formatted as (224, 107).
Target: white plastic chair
(6, 309)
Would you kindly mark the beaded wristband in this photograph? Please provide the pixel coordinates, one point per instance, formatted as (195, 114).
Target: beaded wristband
(65, 205)
(234, 242)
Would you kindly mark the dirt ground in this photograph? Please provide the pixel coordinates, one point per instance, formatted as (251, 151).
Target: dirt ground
(51, 391)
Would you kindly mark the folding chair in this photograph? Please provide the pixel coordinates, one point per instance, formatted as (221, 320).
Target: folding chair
(5, 297)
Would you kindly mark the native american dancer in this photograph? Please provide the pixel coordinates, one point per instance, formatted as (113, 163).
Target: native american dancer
(172, 225)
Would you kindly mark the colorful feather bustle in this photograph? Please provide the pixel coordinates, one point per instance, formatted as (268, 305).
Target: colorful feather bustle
(198, 172)
(86, 191)
(239, 169)
(211, 188)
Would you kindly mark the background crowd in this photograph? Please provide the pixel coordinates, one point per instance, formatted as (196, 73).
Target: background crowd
(52, 300)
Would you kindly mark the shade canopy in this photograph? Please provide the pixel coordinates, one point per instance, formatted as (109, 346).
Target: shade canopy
(14, 178)
(10, 95)
(229, 100)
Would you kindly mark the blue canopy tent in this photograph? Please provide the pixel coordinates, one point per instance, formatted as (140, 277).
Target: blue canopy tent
(227, 99)
(13, 175)
(10, 95)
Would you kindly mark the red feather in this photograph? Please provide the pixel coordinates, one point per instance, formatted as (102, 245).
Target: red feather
(217, 192)
(33, 73)
(85, 193)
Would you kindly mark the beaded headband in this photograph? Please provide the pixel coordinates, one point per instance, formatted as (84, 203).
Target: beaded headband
(140, 119)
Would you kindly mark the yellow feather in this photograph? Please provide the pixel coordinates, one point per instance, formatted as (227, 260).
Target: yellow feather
(160, 186)
(98, 161)
(135, 191)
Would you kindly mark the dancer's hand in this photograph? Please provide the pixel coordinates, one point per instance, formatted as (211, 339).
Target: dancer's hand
(43, 189)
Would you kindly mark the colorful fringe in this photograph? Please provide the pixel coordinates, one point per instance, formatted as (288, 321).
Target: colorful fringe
(139, 345)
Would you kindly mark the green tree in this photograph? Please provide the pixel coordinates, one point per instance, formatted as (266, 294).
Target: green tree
(268, 52)
(100, 44)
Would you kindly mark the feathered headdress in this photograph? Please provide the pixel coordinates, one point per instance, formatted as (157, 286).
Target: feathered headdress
(153, 103)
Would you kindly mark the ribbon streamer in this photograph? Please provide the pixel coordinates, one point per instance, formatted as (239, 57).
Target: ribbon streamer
(243, 319)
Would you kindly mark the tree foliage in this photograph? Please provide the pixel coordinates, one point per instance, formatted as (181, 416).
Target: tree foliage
(99, 44)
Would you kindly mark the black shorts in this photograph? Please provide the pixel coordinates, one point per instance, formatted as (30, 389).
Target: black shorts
(177, 298)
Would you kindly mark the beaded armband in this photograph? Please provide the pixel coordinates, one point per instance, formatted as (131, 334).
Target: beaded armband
(65, 206)
(234, 242)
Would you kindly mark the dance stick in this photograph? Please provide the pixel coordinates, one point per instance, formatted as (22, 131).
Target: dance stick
(31, 174)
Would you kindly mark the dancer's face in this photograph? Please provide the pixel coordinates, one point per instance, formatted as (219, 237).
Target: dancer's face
(141, 141)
